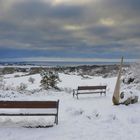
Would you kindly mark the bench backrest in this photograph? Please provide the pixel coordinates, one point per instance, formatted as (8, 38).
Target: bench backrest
(29, 104)
(91, 87)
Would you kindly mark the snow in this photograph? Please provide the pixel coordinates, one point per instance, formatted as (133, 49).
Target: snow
(14, 82)
(91, 117)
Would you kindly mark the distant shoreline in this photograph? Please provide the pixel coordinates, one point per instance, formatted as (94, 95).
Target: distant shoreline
(59, 64)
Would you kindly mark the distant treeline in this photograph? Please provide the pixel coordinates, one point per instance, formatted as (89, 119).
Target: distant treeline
(92, 70)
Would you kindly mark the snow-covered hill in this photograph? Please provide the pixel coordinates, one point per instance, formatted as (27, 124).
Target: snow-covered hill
(91, 117)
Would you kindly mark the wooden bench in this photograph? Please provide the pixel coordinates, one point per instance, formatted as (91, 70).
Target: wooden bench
(89, 90)
(30, 108)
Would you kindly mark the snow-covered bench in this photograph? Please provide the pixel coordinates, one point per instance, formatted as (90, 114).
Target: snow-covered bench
(30, 108)
(89, 90)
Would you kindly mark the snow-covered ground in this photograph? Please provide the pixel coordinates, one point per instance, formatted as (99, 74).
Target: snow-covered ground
(91, 117)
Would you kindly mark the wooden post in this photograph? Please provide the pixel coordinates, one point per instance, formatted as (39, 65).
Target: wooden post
(116, 94)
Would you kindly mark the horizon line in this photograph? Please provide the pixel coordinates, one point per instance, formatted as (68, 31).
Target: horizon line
(62, 59)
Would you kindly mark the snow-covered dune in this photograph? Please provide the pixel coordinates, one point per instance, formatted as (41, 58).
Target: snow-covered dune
(91, 117)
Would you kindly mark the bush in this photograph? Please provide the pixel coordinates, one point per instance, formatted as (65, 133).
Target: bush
(8, 70)
(2, 83)
(49, 80)
(22, 86)
(135, 69)
(17, 76)
(31, 80)
(128, 80)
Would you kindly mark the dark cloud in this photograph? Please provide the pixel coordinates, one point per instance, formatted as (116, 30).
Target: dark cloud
(111, 26)
(31, 10)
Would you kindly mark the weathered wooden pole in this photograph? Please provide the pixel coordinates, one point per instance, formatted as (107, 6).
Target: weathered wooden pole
(116, 94)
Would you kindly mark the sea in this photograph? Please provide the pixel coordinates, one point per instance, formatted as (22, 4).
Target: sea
(58, 64)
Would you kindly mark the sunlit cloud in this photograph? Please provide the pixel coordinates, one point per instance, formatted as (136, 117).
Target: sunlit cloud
(73, 27)
(107, 22)
(70, 2)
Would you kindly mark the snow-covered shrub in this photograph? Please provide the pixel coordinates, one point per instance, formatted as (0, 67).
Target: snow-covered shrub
(131, 78)
(22, 87)
(2, 83)
(35, 70)
(9, 87)
(132, 75)
(128, 79)
(8, 70)
(31, 80)
(17, 76)
(136, 71)
(67, 90)
(49, 79)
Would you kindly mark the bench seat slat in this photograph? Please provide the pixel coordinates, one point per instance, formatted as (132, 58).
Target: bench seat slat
(91, 92)
(28, 104)
(91, 87)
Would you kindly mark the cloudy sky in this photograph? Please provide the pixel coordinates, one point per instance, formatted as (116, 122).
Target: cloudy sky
(82, 30)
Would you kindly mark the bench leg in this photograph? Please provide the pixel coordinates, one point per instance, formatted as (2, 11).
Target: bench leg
(77, 96)
(56, 120)
(73, 93)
